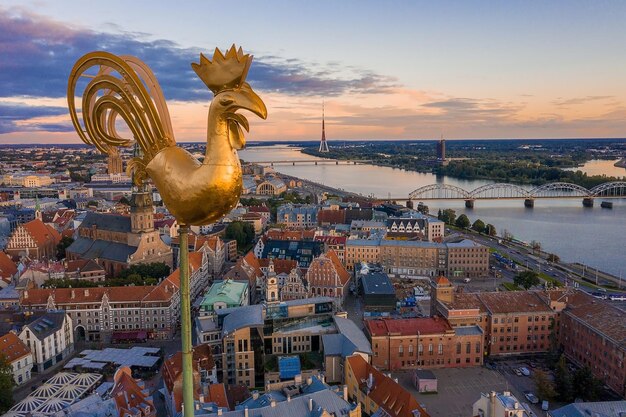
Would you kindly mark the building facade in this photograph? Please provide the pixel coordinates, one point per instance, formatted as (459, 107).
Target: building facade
(50, 338)
(34, 240)
(18, 355)
(423, 343)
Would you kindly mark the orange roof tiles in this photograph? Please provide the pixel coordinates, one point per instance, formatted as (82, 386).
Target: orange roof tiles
(385, 392)
(128, 395)
(217, 394)
(7, 267)
(281, 266)
(441, 280)
(407, 327)
(600, 315)
(12, 347)
(172, 372)
(504, 302)
(42, 233)
(278, 234)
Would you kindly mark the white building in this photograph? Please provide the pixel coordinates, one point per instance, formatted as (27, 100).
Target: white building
(495, 404)
(18, 355)
(50, 339)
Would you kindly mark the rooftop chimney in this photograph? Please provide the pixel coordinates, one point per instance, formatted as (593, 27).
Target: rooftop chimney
(273, 403)
(219, 411)
(255, 395)
(345, 393)
(310, 404)
(245, 412)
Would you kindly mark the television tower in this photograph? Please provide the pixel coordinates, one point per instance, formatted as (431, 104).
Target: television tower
(323, 144)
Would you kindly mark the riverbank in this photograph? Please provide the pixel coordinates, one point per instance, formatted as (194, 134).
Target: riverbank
(573, 272)
(621, 163)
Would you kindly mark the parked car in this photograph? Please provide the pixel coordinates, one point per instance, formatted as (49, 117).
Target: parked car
(467, 280)
(545, 405)
(525, 371)
(517, 372)
(531, 397)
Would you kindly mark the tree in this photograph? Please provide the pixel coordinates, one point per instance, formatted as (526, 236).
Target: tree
(563, 380)
(554, 258)
(65, 242)
(545, 387)
(536, 245)
(479, 226)
(448, 216)
(6, 384)
(586, 386)
(506, 235)
(440, 215)
(124, 200)
(92, 203)
(490, 229)
(242, 232)
(463, 222)
(526, 279)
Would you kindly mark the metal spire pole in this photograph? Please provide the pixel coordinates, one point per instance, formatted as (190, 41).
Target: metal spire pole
(185, 315)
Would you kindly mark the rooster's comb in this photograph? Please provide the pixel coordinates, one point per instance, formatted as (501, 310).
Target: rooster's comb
(225, 71)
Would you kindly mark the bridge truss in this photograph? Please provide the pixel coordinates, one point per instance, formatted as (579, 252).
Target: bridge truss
(616, 189)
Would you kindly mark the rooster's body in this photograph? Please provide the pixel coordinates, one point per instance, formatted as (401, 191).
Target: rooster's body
(195, 192)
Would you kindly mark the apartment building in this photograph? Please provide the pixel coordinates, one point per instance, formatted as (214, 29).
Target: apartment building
(592, 334)
(50, 338)
(377, 393)
(122, 313)
(251, 334)
(423, 343)
(18, 355)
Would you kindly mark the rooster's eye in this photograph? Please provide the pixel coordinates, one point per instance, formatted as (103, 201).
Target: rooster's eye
(226, 101)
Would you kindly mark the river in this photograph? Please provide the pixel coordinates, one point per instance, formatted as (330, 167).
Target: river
(593, 236)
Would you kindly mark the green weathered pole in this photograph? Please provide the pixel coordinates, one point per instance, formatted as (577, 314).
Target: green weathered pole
(185, 317)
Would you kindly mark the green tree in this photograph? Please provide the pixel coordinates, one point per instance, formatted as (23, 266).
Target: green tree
(526, 279)
(440, 215)
(586, 386)
(479, 226)
(92, 203)
(242, 232)
(490, 229)
(545, 387)
(6, 384)
(124, 200)
(563, 380)
(448, 216)
(65, 242)
(554, 258)
(463, 222)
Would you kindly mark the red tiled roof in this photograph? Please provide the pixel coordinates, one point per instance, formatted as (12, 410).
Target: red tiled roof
(280, 265)
(128, 395)
(332, 240)
(172, 372)
(278, 234)
(331, 216)
(441, 280)
(407, 327)
(258, 209)
(513, 302)
(7, 267)
(217, 394)
(42, 233)
(12, 347)
(323, 269)
(385, 392)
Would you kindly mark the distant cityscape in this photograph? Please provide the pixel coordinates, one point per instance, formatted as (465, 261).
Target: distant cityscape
(306, 300)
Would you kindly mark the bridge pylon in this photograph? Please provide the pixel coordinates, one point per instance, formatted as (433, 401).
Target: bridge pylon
(469, 203)
(588, 202)
(529, 203)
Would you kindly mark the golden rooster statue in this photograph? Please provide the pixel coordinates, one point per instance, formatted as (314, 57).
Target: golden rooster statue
(195, 192)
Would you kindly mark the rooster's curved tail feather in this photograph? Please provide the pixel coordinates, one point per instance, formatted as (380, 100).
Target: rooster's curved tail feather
(123, 86)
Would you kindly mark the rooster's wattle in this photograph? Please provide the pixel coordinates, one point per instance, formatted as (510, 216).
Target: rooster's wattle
(195, 192)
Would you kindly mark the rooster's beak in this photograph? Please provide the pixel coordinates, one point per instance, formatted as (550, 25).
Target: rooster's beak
(247, 99)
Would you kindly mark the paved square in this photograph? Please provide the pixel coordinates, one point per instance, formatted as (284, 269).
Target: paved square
(458, 388)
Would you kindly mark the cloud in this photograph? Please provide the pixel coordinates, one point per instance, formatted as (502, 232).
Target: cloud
(13, 116)
(37, 54)
(561, 102)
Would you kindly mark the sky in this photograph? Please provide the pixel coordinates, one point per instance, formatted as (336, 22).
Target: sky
(383, 70)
